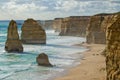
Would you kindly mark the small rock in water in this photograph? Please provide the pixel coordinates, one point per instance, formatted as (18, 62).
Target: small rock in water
(43, 60)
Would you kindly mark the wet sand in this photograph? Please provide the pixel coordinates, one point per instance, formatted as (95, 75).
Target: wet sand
(92, 66)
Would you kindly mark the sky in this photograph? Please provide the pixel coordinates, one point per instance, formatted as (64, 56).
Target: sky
(50, 9)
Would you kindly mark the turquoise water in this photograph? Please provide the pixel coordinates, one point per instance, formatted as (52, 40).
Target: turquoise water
(16, 66)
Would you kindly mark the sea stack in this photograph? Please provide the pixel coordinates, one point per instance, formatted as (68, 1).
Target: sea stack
(33, 33)
(43, 60)
(113, 48)
(13, 43)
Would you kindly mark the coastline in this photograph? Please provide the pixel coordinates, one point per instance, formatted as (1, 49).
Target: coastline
(91, 67)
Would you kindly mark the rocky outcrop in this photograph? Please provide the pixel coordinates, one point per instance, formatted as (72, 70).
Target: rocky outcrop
(95, 32)
(43, 60)
(33, 33)
(13, 43)
(74, 26)
(57, 22)
(113, 48)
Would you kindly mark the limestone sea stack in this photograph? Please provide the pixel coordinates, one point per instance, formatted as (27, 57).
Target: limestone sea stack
(113, 48)
(33, 33)
(13, 43)
(43, 60)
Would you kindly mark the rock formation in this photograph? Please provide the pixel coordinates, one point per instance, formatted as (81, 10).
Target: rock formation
(33, 33)
(57, 24)
(113, 48)
(74, 26)
(13, 44)
(43, 60)
(96, 29)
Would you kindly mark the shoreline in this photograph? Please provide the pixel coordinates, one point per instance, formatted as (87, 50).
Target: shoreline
(79, 56)
(90, 67)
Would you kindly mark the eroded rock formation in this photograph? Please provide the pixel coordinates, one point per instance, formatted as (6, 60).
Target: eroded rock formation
(33, 33)
(57, 24)
(95, 32)
(113, 48)
(43, 60)
(13, 43)
(74, 26)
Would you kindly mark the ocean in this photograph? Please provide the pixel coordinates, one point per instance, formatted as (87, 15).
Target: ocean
(22, 66)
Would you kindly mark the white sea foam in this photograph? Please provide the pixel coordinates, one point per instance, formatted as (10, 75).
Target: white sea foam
(24, 67)
(3, 35)
(4, 75)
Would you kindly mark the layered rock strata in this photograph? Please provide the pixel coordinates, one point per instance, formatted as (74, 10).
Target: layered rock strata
(95, 32)
(57, 23)
(74, 26)
(13, 43)
(33, 33)
(113, 48)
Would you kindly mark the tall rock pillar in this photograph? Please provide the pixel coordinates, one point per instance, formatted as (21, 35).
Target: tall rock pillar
(13, 44)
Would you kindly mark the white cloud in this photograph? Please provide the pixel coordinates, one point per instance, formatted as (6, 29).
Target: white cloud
(20, 11)
(66, 5)
(49, 9)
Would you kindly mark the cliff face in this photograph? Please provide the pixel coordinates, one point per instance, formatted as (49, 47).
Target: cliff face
(113, 48)
(32, 33)
(13, 44)
(106, 21)
(95, 32)
(57, 24)
(74, 26)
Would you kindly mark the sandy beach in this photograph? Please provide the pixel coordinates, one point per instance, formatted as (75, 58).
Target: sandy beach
(92, 66)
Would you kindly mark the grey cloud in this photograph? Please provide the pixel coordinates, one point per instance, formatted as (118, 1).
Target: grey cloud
(90, 0)
(49, 9)
(117, 2)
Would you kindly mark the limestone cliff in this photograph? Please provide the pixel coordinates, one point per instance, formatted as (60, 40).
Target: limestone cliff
(95, 32)
(33, 33)
(113, 48)
(13, 44)
(57, 24)
(106, 21)
(74, 26)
